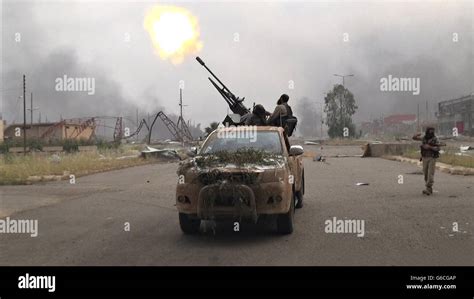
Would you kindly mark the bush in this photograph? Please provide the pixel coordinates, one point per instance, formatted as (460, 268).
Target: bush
(4, 148)
(106, 145)
(34, 144)
(70, 145)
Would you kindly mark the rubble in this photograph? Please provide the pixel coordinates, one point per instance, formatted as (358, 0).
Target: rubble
(55, 158)
(166, 153)
(465, 151)
(319, 158)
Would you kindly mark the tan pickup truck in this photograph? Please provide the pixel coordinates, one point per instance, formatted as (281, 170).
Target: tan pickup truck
(240, 174)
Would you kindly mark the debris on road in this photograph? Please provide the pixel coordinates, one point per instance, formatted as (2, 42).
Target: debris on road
(319, 158)
(362, 184)
(465, 151)
(166, 153)
(418, 172)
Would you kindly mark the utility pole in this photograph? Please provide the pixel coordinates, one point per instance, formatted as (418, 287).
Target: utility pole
(31, 108)
(343, 95)
(181, 103)
(181, 124)
(24, 115)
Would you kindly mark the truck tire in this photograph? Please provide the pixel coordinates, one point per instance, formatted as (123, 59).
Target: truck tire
(285, 221)
(300, 194)
(189, 225)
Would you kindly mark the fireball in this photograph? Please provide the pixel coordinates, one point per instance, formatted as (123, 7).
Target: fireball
(174, 32)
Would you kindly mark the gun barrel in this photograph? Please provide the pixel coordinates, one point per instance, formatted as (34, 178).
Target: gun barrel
(235, 104)
(215, 77)
(200, 61)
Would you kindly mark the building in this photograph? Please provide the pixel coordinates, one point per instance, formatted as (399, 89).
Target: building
(399, 119)
(392, 125)
(48, 132)
(456, 114)
(400, 124)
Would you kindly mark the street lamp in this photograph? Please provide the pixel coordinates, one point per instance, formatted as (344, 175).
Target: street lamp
(343, 76)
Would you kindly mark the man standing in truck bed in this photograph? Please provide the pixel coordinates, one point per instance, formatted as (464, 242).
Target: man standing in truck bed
(429, 153)
(279, 115)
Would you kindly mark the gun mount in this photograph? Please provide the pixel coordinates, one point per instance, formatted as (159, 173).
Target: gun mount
(234, 102)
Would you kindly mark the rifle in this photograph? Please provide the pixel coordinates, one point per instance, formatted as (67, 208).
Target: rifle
(435, 152)
(235, 103)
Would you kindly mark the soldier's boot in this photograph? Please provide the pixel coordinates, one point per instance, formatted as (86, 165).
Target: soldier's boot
(430, 190)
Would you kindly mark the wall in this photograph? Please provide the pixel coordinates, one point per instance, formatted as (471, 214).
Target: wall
(2, 127)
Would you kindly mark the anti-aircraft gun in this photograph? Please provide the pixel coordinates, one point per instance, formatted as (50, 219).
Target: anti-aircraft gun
(239, 109)
(235, 103)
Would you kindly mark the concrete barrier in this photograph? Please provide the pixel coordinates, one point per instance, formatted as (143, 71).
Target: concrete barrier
(52, 149)
(388, 149)
(17, 149)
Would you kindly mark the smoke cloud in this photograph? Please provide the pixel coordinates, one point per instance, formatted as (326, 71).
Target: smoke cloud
(260, 50)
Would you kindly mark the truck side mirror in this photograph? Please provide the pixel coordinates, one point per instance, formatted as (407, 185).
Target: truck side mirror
(193, 151)
(296, 150)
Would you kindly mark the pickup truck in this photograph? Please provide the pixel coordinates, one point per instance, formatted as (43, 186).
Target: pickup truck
(241, 175)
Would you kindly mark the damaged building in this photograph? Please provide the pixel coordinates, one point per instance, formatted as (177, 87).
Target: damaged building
(456, 113)
(49, 132)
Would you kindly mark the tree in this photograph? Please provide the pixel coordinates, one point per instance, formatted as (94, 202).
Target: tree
(211, 128)
(339, 107)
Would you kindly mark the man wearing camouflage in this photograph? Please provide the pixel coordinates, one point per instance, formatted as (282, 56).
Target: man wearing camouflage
(429, 153)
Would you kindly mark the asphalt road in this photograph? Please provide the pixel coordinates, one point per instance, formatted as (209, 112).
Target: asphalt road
(84, 224)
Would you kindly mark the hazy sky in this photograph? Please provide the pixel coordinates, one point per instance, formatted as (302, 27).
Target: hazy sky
(278, 42)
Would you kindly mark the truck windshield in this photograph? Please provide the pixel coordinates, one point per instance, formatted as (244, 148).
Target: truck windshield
(268, 141)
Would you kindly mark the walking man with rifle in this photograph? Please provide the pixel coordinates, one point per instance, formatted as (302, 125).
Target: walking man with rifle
(430, 148)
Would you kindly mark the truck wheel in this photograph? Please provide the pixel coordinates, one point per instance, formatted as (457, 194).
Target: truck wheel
(188, 225)
(285, 221)
(300, 194)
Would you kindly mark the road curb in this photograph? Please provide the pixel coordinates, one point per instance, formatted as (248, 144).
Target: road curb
(443, 167)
